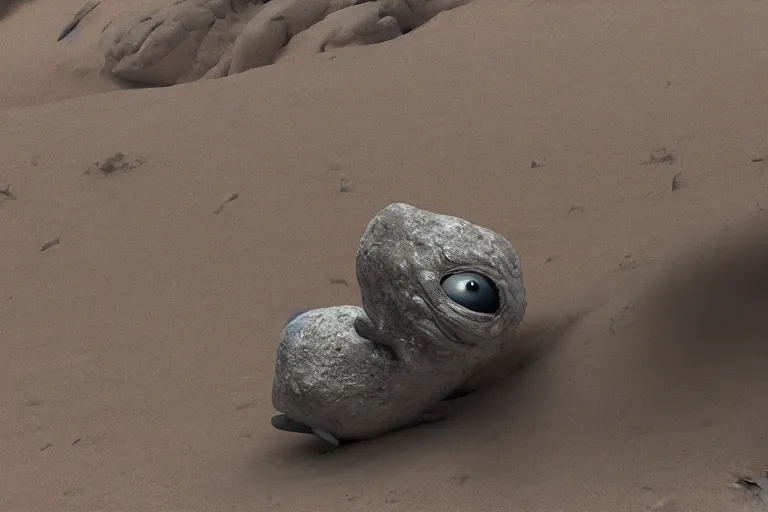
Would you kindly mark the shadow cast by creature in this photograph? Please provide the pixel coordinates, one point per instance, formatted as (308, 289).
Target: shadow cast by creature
(468, 405)
(708, 315)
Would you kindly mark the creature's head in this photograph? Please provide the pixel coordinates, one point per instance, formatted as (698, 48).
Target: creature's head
(430, 280)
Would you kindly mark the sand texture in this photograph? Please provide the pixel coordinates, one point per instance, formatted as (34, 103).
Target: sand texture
(154, 242)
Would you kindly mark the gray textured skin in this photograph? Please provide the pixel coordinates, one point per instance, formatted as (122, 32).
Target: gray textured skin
(361, 372)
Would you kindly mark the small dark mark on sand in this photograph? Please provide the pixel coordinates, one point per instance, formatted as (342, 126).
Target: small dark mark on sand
(676, 181)
(660, 156)
(114, 164)
(229, 199)
(48, 245)
(6, 191)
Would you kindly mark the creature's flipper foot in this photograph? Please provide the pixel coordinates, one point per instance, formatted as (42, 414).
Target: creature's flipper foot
(327, 437)
(286, 424)
(283, 422)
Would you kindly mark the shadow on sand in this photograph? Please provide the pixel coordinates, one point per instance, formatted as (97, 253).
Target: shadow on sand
(707, 318)
(8, 6)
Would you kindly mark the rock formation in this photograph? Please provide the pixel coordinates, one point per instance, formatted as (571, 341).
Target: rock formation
(168, 42)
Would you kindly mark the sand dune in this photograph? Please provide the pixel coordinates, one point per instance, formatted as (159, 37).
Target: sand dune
(137, 352)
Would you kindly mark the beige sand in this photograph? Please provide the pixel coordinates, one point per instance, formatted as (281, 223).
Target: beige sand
(137, 353)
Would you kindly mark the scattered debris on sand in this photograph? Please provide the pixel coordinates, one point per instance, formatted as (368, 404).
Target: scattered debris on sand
(51, 243)
(228, 200)
(118, 162)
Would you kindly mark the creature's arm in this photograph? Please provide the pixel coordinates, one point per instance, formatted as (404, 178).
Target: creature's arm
(365, 328)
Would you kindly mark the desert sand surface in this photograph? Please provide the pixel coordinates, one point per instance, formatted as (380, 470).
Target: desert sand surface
(138, 351)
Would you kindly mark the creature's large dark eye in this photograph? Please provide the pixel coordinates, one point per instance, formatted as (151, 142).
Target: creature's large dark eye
(473, 291)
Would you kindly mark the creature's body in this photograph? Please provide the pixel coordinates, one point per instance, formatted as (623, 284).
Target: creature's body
(441, 298)
(340, 380)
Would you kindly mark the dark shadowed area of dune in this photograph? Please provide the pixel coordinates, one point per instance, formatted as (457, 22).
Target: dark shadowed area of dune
(8, 6)
(621, 146)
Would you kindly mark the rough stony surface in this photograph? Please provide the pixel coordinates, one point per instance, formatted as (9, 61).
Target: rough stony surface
(356, 25)
(360, 372)
(411, 14)
(167, 42)
(274, 26)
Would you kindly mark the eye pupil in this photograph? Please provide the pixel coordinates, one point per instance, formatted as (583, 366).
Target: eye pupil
(472, 291)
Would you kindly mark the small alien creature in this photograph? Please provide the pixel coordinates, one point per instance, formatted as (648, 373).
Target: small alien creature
(441, 298)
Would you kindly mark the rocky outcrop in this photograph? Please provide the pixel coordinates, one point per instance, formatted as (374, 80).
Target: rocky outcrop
(167, 42)
(357, 25)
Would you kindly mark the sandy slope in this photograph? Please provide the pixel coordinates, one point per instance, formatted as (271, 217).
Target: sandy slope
(137, 353)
